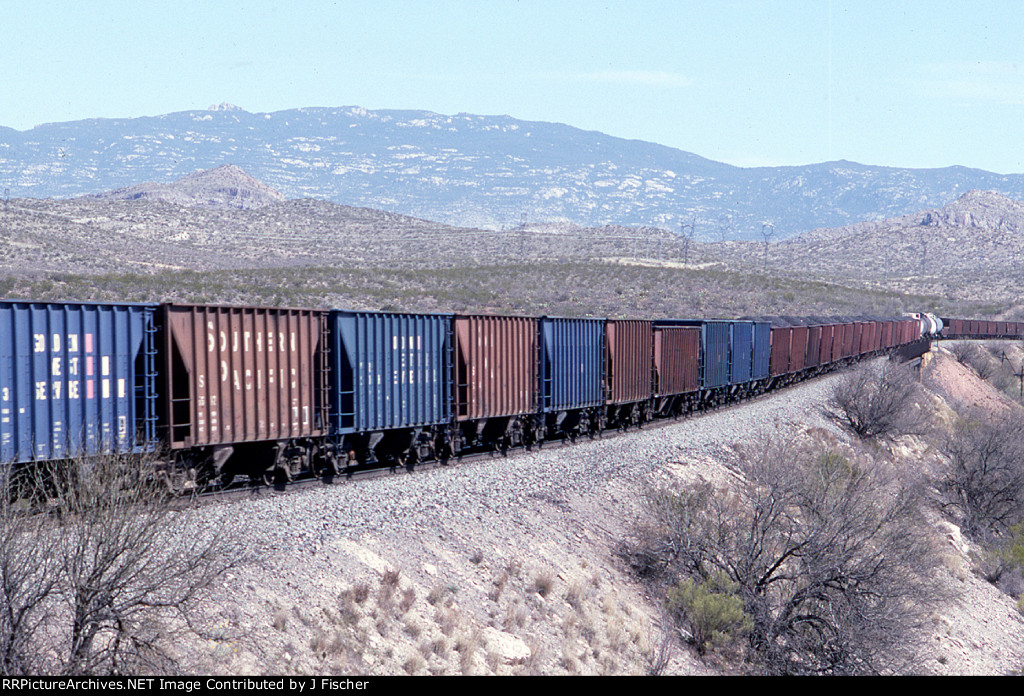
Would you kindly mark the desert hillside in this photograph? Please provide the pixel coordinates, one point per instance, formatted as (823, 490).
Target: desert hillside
(511, 566)
(222, 236)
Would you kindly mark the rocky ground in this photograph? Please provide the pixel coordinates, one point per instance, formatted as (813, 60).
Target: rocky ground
(508, 566)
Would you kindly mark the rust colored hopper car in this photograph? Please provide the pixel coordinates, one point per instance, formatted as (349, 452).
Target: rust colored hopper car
(243, 389)
(495, 375)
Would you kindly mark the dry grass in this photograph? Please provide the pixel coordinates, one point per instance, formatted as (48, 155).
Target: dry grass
(439, 594)
(360, 592)
(447, 620)
(543, 583)
(413, 628)
(414, 664)
(574, 595)
(516, 615)
(408, 599)
(467, 647)
(498, 585)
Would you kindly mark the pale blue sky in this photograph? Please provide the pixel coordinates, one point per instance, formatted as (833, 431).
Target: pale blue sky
(909, 84)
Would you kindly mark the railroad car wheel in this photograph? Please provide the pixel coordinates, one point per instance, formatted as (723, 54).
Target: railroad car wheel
(323, 464)
(172, 479)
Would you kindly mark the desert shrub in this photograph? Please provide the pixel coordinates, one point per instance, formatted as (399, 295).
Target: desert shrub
(712, 611)
(876, 400)
(984, 364)
(827, 556)
(1003, 563)
(983, 485)
(962, 351)
(104, 584)
(1012, 552)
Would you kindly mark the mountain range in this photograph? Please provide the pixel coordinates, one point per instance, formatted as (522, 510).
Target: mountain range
(469, 170)
(221, 235)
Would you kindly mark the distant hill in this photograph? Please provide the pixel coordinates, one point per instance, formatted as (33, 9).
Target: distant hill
(226, 186)
(971, 247)
(963, 257)
(979, 231)
(472, 171)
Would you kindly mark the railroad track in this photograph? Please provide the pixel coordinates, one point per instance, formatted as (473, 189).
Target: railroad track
(252, 489)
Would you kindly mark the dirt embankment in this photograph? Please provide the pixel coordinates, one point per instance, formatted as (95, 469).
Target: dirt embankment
(508, 566)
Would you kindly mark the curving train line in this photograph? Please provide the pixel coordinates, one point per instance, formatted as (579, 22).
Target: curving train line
(215, 392)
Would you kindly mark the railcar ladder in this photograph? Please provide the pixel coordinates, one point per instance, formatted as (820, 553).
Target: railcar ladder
(545, 395)
(321, 421)
(145, 385)
(449, 370)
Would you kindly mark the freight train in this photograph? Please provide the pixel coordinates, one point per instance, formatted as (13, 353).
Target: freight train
(213, 392)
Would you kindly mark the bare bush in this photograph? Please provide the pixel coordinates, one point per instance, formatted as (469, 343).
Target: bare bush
(28, 579)
(103, 578)
(877, 400)
(984, 364)
(984, 484)
(661, 640)
(826, 554)
(962, 351)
